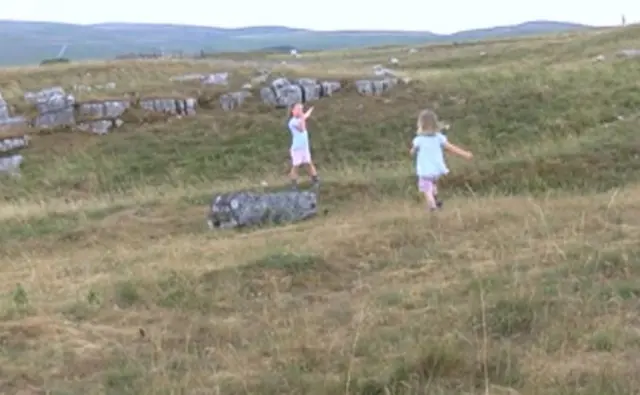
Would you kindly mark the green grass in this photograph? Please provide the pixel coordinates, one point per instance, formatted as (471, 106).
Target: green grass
(525, 283)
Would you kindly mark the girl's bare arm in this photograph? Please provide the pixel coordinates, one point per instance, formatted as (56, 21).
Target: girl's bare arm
(308, 113)
(458, 151)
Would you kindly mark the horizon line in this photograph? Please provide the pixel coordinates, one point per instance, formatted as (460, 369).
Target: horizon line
(299, 28)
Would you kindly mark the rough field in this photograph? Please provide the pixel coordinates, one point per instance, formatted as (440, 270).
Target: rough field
(527, 283)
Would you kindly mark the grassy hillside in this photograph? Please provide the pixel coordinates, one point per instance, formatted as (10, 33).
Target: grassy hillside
(31, 42)
(527, 281)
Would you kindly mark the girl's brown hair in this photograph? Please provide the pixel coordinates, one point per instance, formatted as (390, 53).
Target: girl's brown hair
(428, 123)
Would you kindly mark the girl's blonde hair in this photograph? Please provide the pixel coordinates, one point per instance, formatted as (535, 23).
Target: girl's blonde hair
(428, 123)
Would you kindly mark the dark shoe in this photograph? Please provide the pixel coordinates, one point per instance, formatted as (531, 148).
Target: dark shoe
(439, 203)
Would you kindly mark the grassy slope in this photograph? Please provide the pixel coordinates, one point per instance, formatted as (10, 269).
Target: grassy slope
(527, 282)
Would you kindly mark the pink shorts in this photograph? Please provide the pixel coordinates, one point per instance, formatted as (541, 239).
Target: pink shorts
(427, 184)
(300, 157)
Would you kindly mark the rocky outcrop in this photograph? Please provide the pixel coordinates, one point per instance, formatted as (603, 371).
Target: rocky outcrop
(10, 160)
(57, 108)
(375, 87)
(169, 105)
(284, 93)
(10, 165)
(233, 100)
(13, 143)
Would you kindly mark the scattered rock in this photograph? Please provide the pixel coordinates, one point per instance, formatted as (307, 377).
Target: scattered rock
(289, 95)
(280, 83)
(187, 77)
(629, 53)
(205, 79)
(329, 87)
(284, 93)
(55, 107)
(233, 100)
(599, 58)
(216, 79)
(170, 105)
(12, 122)
(381, 71)
(394, 61)
(10, 165)
(375, 87)
(101, 126)
(97, 109)
(13, 143)
(88, 88)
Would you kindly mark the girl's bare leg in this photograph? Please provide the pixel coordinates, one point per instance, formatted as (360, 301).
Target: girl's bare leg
(313, 173)
(435, 195)
(431, 200)
(293, 175)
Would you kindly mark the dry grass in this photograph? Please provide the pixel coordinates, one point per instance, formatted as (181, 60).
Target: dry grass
(527, 282)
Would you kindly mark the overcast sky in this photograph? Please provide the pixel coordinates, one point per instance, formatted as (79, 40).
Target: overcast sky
(445, 16)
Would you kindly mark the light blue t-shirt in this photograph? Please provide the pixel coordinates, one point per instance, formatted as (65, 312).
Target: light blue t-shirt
(430, 155)
(299, 139)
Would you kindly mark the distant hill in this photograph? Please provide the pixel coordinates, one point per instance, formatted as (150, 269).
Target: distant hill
(31, 42)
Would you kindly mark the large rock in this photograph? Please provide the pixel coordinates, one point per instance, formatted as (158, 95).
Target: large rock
(50, 100)
(170, 105)
(311, 89)
(11, 164)
(279, 83)
(13, 143)
(97, 109)
(289, 95)
(268, 96)
(100, 126)
(12, 122)
(233, 100)
(375, 87)
(241, 209)
(328, 88)
(55, 107)
(284, 93)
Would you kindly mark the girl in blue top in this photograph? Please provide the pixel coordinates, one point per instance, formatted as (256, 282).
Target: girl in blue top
(429, 145)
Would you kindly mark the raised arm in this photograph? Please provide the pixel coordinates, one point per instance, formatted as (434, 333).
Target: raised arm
(308, 113)
(457, 150)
